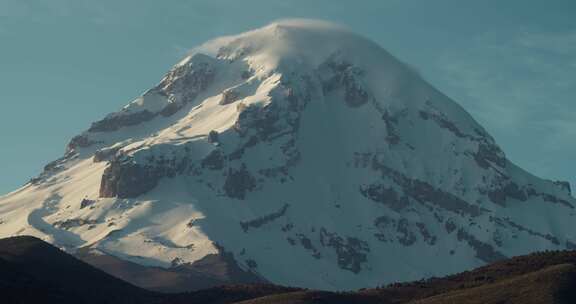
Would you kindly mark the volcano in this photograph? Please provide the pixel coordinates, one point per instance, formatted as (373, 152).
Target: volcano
(298, 154)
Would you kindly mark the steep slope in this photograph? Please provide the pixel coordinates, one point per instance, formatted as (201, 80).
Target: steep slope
(307, 153)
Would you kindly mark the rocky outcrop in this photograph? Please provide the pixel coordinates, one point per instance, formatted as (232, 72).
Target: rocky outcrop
(116, 121)
(509, 189)
(180, 86)
(258, 222)
(351, 251)
(184, 82)
(229, 96)
(126, 179)
(488, 154)
(444, 123)
(504, 222)
(261, 120)
(215, 160)
(308, 245)
(391, 122)
(386, 195)
(105, 154)
(420, 191)
(339, 74)
(404, 231)
(506, 189)
(564, 186)
(54, 167)
(406, 236)
(213, 137)
(484, 251)
(79, 141)
(239, 182)
(73, 223)
(87, 203)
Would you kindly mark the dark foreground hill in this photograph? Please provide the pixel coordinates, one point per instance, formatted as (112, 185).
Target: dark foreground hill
(32, 271)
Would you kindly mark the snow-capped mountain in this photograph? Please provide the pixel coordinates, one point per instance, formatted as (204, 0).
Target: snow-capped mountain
(307, 153)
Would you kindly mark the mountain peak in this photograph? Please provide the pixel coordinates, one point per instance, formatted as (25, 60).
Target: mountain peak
(299, 142)
(295, 41)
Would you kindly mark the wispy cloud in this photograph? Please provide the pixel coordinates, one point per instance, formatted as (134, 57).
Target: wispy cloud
(559, 43)
(532, 76)
(520, 85)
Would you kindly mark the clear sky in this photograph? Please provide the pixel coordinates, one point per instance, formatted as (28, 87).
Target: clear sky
(66, 63)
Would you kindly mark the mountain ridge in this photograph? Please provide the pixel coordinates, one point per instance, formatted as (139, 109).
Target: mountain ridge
(300, 142)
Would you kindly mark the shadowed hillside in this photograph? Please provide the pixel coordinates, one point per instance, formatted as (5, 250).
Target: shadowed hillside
(32, 271)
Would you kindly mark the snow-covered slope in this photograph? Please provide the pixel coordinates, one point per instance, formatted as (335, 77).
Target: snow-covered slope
(309, 153)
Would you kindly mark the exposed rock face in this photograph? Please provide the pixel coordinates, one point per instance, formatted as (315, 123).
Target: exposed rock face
(125, 180)
(489, 154)
(337, 159)
(86, 203)
(183, 83)
(213, 137)
(420, 192)
(180, 87)
(214, 161)
(54, 168)
(258, 222)
(351, 251)
(105, 154)
(229, 96)
(79, 141)
(117, 121)
(564, 186)
(345, 76)
(72, 223)
(239, 182)
(484, 251)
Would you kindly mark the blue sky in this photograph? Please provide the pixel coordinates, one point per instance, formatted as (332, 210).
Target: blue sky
(66, 63)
